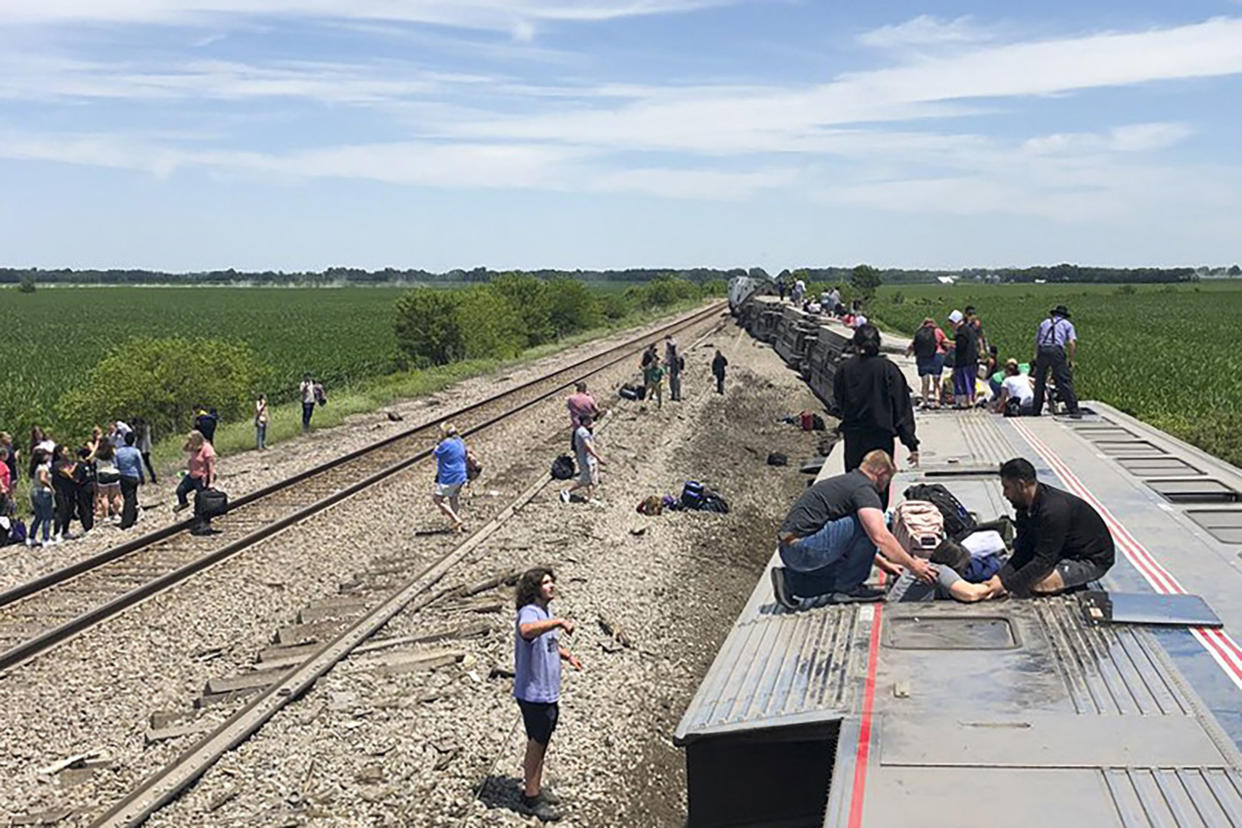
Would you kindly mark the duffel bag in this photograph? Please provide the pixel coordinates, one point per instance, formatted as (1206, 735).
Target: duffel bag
(209, 503)
(563, 467)
(918, 527)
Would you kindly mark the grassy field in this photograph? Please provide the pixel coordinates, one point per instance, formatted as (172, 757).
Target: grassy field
(1164, 353)
(343, 336)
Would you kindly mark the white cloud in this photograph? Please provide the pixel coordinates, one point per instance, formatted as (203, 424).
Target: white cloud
(770, 119)
(499, 15)
(1128, 138)
(925, 30)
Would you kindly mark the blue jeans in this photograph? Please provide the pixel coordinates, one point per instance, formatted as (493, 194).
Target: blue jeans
(41, 500)
(188, 484)
(837, 558)
(260, 435)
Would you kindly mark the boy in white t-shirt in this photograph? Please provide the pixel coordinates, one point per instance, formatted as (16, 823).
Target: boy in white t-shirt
(1015, 387)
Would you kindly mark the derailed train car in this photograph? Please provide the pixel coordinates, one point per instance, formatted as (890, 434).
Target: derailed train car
(1118, 705)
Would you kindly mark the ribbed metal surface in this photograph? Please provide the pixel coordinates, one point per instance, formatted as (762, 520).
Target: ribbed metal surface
(1182, 797)
(983, 437)
(778, 666)
(1108, 670)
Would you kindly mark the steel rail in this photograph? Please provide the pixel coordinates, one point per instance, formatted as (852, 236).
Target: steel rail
(165, 784)
(58, 634)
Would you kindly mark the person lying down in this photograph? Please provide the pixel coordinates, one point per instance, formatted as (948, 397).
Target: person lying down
(948, 585)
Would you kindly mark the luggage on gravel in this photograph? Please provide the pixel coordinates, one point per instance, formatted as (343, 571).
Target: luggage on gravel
(918, 527)
(958, 523)
(563, 468)
(651, 505)
(630, 392)
(209, 503)
(694, 495)
(778, 459)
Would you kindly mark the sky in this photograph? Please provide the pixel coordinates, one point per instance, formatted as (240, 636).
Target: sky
(301, 134)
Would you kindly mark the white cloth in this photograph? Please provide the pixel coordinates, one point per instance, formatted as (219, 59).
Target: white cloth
(982, 544)
(1019, 387)
(956, 317)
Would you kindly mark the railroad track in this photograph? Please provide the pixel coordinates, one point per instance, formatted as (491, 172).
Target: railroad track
(42, 613)
(412, 595)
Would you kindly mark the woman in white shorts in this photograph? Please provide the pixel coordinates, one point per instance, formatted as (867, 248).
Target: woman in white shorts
(450, 454)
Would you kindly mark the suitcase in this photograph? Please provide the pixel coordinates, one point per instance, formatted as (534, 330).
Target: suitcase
(209, 503)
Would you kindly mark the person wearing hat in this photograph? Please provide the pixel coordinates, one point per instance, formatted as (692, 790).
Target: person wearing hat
(1055, 344)
(450, 454)
(965, 361)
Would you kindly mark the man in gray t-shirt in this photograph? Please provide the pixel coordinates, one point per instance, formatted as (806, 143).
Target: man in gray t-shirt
(830, 538)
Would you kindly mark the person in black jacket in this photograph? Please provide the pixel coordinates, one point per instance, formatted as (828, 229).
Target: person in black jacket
(718, 370)
(205, 423)
(1062, 542)
(873, 401)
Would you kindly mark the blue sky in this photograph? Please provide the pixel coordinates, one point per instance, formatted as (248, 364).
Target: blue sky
(300, 134)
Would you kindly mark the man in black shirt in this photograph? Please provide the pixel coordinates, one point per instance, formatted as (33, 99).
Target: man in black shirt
(1062, 542)
(829, 539)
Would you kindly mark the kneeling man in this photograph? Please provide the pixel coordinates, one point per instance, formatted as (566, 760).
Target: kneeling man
(1062, 542)
(829, 539)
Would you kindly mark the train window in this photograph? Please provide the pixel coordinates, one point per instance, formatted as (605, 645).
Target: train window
(1096, 433)
(1157, 466)
(1195, 490)
(1224, 524)
(1130, 448)
(949, 633)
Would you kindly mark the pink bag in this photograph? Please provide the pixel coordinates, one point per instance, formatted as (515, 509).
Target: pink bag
(918, 526)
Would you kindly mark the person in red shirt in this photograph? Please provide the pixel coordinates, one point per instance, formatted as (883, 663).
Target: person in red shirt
(6, 483)
(580, 404)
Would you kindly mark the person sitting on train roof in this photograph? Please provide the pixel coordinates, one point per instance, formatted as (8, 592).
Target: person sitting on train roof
(830, 538)
(1062, 541)
(1017, 392)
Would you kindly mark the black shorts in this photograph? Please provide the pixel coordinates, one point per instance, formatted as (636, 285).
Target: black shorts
(540, 719)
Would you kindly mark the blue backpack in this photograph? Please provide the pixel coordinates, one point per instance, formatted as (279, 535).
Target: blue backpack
(692, 495)
(18, 533)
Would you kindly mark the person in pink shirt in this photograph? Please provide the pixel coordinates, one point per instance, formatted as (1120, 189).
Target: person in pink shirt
(202, 473)
(580, 403)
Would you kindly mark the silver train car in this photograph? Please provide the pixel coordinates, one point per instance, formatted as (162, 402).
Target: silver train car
(1119, 706)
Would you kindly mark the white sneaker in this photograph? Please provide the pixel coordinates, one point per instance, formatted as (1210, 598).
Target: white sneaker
(564, 495)
(30, 542)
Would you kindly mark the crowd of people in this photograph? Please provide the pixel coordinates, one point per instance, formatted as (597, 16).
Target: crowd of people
(97, 480)
(976, 376)
(837, 530)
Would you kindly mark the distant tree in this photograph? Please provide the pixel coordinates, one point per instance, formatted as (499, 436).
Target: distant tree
(1235, 271)
(758, 273)
(428, 328)
(571, 307)
(865, 279)
(27, 284)
(531, 296)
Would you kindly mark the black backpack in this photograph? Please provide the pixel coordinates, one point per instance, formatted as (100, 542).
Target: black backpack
(925, 343)
(563, 467)
(777, 459)
(958, 522)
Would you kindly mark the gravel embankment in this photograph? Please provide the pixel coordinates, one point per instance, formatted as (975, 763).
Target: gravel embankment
(96, 692)
(443, 747)
(242, 473)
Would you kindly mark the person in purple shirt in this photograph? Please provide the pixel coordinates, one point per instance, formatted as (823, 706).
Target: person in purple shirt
(1056, 342)
(537, 655)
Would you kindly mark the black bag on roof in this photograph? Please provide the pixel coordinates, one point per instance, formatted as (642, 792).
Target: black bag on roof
(958, 523)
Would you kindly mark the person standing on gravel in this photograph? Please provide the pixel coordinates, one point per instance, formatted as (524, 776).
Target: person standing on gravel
(588, 461)
(450, 454)
(672, 361)
(719, 363)
(307, 392)
(129, 464)
(580, 404)
(537, 655)
(143, 429)
(653, 379)
(260, 422)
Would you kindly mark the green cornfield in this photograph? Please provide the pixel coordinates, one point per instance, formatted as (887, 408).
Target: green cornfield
(54, 336)
(1164, 353)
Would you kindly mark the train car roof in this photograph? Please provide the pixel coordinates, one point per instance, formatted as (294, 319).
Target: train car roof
(1019, 712)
